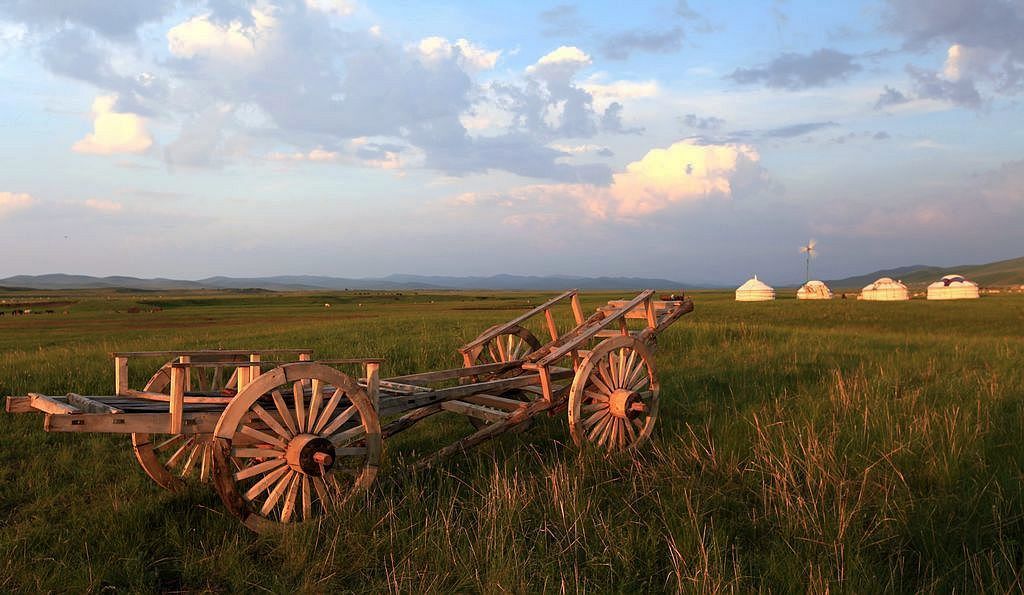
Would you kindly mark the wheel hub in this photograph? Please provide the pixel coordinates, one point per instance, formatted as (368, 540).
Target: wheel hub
(621, 402)
(310, 454)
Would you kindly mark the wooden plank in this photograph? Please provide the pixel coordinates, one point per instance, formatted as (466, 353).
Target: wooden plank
(471, 410)
(205, 352)
(504, 327)
(91, 405)
(19, 404)
(397, 386)
(455, 373)
(392, 405)
(495, 402)
(50, 405)
(189, 399)
(129, 423)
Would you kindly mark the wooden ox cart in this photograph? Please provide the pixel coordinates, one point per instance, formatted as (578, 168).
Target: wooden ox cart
(284, 438)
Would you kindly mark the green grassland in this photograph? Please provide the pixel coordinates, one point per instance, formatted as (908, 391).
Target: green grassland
(845, 446)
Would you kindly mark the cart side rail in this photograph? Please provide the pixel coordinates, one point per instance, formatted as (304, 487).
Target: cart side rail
(572, 295)
(572, 340)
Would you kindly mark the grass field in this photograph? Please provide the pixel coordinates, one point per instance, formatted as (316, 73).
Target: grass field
(844, 446)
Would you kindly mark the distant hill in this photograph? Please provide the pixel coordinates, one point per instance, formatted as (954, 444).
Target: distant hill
(314, 282)
(1003, 272)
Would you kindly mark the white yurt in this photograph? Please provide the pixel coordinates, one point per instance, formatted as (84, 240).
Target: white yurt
(755, 290)
(814, 290)
(885, 290)
(953, 287)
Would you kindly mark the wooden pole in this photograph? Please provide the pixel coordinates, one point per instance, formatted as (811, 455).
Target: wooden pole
(373, 383)
(121, 376)
(187, 359)
(177, 400)
(577, 309)
(254, 370)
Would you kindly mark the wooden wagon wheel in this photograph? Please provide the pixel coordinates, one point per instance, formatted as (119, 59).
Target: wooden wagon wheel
(613, 402)
(514, 344)
(168, 459)
(294, 444)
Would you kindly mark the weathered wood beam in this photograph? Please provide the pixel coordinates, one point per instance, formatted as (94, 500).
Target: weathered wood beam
(91, 405)
(477, 411)
(50, 405)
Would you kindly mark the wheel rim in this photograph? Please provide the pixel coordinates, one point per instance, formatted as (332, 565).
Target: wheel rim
(296, 443)
(613, 402)
(514, 344)
(169, 459)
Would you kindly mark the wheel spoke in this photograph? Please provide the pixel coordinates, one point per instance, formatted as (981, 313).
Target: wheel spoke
(339, 421)
(261, 486)
(196, 447)
(595, 396)
(271, 422)
(596, 417)
(348, 436)
(314, 403)
(593, 407)
(321, 493)
(630, 432)
(171, 462)
(258, 468)
(300, 405)
(622, 367)
(283, 411)
(169, 442)
(204, 467)
(598, 428)
(277, 492)
(290, 500)
(501, 349)
(606, 430)
(262, 436)
(332, 404)
(605, 374)
(644, 381)
(613, 368)
(257, 453)
(630, 368)
(307, 498)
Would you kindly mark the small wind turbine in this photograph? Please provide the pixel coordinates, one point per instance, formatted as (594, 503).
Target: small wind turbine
(810, 250)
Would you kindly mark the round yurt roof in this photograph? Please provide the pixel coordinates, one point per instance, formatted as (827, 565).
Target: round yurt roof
(953, 281)
(755, 290)
(815, 289)
(953, 287)
(885, 283)
(755, 284)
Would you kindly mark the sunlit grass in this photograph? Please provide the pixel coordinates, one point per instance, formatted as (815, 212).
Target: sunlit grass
(833, 446)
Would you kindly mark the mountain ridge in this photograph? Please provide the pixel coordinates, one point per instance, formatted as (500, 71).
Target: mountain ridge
(57, 281)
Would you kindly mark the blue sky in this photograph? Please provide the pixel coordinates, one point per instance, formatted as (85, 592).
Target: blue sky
(698, 141)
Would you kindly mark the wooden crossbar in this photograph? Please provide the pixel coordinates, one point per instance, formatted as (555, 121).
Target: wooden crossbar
(504, 327)
(201, 352)
(558, 349)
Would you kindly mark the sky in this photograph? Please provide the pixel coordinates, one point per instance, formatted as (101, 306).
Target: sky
(702, 142)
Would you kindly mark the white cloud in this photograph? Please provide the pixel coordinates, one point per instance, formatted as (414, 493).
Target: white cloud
(106, 206)
(969, 62)
(14, 201)
(621, 90)
(471, 56)
(199, 36)
(342, 8)
(114, 132)
(565, 54)
(685, 172)
(315, 155)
